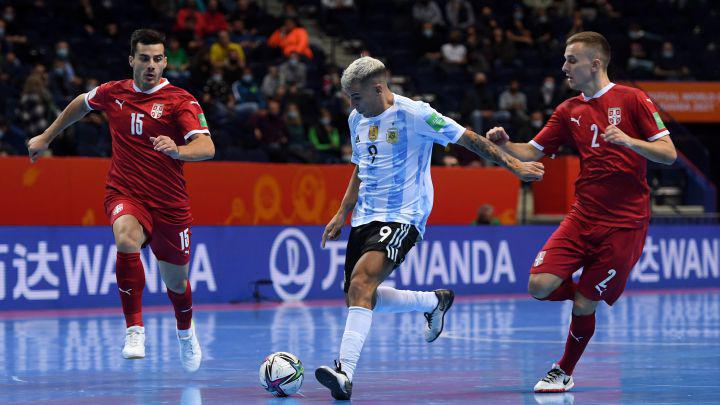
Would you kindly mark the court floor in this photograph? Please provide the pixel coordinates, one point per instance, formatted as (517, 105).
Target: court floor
(658, 347)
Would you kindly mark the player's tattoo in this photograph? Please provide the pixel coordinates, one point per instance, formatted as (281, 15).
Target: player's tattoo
(485, 148)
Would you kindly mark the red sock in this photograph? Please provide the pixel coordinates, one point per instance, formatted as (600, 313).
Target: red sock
(582, 328)
(131, 282)
(183, 306)
(566, 291)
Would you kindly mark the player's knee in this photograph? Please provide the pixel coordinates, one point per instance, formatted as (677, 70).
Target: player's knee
(177, 286)
(126, 242)
(359, 293)
(583, 306)
(538, 289)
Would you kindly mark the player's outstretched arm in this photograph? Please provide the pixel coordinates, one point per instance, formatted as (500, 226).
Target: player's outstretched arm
(521, 151)
(526, 171)
(200, 147)
(661, 150)
(70, 115)
(332, 230)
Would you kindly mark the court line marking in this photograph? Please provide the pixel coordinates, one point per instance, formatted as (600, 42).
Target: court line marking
(447, 335)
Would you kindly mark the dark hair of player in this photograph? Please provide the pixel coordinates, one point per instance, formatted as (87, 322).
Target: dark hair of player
(145, 36)
(595, 41)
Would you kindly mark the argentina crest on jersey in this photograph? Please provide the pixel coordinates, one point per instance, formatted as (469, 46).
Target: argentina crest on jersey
(614, 115)
(157, 110)
(392, 135)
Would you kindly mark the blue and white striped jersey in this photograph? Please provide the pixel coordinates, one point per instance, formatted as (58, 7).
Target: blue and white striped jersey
(392, 152)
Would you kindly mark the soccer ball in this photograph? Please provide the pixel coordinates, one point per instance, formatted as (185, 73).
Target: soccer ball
(281, 374)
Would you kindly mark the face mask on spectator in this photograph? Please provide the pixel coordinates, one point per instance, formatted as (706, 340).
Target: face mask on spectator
(325, 121)
(428, 33)
(536, 123)
(293, 115)
(549, 85)
(293, 62)
(2, 32)
(668, 54)
(217, 77)
(2, 133)
(347, 157)
(62, 53)
(8, 17)
(247, 78)
(59, 71)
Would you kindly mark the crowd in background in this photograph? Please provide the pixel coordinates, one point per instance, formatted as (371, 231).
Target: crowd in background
(270, 94)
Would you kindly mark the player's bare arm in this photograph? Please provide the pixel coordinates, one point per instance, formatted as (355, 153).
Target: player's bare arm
(521, 151)
(526, 171)
(200, 147)
(70, 115)
(332, 230)
(661, 150)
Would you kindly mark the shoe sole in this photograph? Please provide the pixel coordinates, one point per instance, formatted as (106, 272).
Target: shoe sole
(559, 390)
(134, 357)
(442, 319)
(327, 379)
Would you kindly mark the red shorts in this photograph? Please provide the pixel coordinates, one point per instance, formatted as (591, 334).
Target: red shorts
(606, 254)
(168, 239)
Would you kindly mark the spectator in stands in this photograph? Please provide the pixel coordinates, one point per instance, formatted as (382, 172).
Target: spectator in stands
(271, 82)
(514, 100)
(213, 19)
(454, 53)
(36, 109)
(474, 45)
(190, 18)
(549, 95)
(325, 137)
(485, 216)
(249, 12)
(294, 71)
(291, 38)
(220, 50)
(248, 39)
(92, 136)
(502, 51)
(668, 66)
(346, 153)
(218, 93)
(299, 149)
(271, 132)
(478, 105)
(639, 65)
(526, 130)
(178, 63)
(519, 35)
(12, 138)
(427, 11)
(460, 14)
(248, 98)
(12, 66)
(578, 25)
(427, 44)
(190, 32)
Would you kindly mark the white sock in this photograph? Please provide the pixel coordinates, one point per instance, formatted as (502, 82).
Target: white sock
(392, 300)
(357, 328)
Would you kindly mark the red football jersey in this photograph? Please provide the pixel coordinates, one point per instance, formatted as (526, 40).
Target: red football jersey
(136, 169)
(611, 189)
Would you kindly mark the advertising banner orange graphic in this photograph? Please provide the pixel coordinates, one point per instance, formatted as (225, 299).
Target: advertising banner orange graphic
(69, 191)
(686, 101)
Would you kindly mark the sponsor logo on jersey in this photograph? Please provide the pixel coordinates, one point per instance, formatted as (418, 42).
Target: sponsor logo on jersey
(658, 120)
(373, 133)
(203, 121)
(435, 121)
(614, 115)
(357, 138)
(392, 135)
(117, 209)
(120, 103)
(576, 120)
(157, 110)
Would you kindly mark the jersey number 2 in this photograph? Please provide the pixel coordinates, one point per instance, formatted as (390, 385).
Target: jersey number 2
(136, 123)
(595, 130)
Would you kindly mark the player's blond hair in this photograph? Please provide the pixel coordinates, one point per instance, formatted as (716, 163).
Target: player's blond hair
(595, 41)
(361, 70)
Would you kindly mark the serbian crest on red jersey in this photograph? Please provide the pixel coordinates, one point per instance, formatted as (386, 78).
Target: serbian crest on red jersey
(156, 111)
(614, 115)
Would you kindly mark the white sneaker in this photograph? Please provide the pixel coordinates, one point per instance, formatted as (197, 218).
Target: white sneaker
(555, 381)
(190, 353)
(436, 318)
(134, 347)
(336, 380)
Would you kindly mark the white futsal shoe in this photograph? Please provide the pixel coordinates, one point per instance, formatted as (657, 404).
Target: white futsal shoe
(555, 381)
(190, 353)
(134, 347)
(436, 318)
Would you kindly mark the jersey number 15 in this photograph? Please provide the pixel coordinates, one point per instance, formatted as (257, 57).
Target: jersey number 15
(136, 123)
